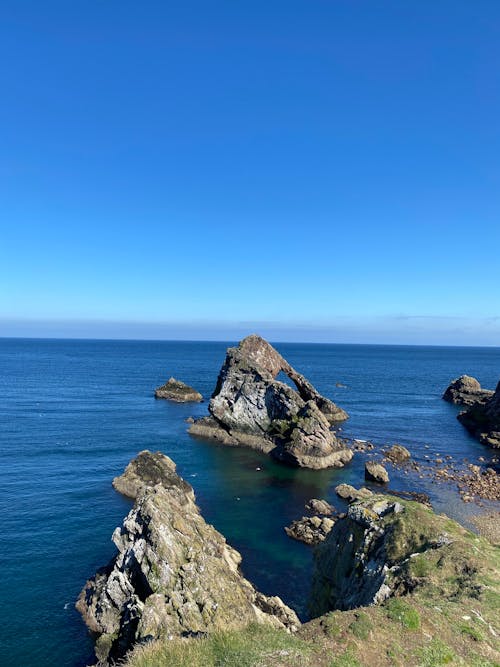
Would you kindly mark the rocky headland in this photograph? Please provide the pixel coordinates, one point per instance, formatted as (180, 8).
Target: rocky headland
(482, 420)
(466, 390)
(175, 390)
(250, 406)
(174, 575)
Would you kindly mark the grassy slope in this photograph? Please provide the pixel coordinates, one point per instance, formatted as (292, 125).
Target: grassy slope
(451, 617)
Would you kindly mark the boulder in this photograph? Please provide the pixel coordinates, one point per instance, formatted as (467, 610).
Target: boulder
(349, 493)
(466, 390)
(251, 407)
(320, 507)
(310, 529)
(376, 472)
(482, 420)
(175, 390)
(397, 454)
(174, 575)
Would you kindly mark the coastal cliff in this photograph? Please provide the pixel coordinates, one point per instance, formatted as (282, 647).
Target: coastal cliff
(483, 420)
(251, 407)
(174, 575)
(466, 390)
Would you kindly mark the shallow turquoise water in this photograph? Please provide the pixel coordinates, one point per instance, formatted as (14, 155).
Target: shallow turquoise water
(73, 413)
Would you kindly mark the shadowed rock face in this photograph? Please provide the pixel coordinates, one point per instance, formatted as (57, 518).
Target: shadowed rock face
(251, 407)
(483, 420)
(466, 390)
(173, 575)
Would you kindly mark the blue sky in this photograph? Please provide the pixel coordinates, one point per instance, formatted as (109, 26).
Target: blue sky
(324, 170)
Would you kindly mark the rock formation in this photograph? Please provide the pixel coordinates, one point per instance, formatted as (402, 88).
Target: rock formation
(397, 454)
(466, 390)
(175, 390)
(320, 507)
(376, 472)
(251, 407)
(310, 529)
(482, 419)
(349, 493)
(173, 575)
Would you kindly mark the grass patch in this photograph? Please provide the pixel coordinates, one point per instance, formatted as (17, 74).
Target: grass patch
(331, 626)
(347, 659)
(436, 653)
(361, 626)
(420, 566)
(471, 631)
(399, 610)
(256, 644)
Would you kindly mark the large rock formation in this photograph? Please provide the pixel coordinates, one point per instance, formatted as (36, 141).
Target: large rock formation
(381, 549)
(173, 575)
(466, 390)
(310, 529)
(180, 392)
(251, 407)
(483, 420)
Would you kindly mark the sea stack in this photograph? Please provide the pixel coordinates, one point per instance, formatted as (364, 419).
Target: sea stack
(466, 390)
(483, 420)
(251, 407)
(174, 575)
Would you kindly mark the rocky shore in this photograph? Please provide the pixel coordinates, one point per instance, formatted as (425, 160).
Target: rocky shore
(251, 407)
(482, 420)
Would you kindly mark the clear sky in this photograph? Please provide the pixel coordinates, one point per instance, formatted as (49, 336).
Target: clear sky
(313, 170)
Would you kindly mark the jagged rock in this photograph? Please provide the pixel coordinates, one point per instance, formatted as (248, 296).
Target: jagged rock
(349, 493)
(175, 390)
(466, 390)
(483, 420)
(398, 454)
(367, 556)
(147, 470)
(251, 407)
(174, 574)
(320, 507)
(376, 472)
(310, 529)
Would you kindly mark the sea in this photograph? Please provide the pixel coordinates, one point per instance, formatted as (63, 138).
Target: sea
(74, 412)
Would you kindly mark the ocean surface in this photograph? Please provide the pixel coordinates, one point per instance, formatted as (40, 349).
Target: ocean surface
(73, 413)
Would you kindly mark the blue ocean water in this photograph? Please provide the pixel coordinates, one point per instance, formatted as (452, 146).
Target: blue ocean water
(73, 413)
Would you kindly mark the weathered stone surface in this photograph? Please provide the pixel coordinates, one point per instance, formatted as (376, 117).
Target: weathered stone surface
(398, 454)
(466, 390)
(320, 507)
(174, 575)
(483, 420)
(367, 555)
(251, 407)
(349, 493)
(147, 470)
(310, 529)
(376, 472)
(175, 390)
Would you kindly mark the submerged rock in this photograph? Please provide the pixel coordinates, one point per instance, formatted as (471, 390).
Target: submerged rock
(466, 390)
(376, 472)
(483, 420)
(251, 407)
(310, 529)
(175, 390)
(173, 575)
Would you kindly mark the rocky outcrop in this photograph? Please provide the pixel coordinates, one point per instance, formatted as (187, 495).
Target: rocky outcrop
(466, 390)
(320, 507)
(349, 493)
(310, 529)
(482, 419)
(251, 407)
(376, 472)
(173, 575)
(368, 556)
(397, 454)
(175, 390)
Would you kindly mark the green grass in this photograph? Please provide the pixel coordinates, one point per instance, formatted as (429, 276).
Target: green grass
(436, 653)
(347, 659)
(471, 631)
(399, 610)
(361, 626)
(255, 645)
